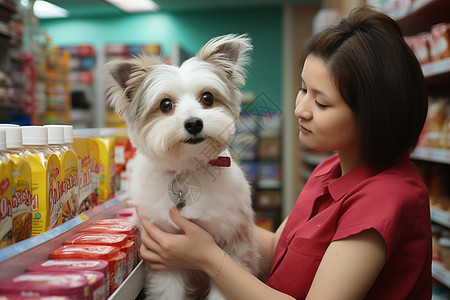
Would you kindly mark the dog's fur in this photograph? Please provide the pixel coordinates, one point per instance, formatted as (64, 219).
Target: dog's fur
(157, 102)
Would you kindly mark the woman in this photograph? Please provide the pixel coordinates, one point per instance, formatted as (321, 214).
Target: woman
(361, 226)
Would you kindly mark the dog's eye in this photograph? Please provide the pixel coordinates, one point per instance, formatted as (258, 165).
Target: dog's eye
(207, 99)
(166, 105)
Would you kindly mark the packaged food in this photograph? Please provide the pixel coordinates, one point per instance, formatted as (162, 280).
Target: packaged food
(17, 297)
(74, 265)
(72, 285)
(69, 171)
(440, 48)
(97, 285)
(90, 238)
(6, 237)
(444, 244)
(46, 179)
(113, 255)
(82, 146)
(114, 226)
(107, 170)
(95, 176)
(22, 210)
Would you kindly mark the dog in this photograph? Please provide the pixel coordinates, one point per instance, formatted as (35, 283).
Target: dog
(181, 121)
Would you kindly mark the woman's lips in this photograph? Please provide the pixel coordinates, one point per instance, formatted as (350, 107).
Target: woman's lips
(303, 128)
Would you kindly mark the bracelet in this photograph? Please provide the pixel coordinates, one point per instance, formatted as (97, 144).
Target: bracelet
(221, 264)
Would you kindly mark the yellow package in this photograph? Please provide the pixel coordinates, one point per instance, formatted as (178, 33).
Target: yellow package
(6, 237)
(107, 169)
(46, 176)
(95, 180)
(22, 210)
(82, 147)
(69, 185)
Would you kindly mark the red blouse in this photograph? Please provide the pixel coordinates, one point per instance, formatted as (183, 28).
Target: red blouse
(393, 200)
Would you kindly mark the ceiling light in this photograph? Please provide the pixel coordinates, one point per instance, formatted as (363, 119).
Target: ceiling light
(44, 10)
(132, 6)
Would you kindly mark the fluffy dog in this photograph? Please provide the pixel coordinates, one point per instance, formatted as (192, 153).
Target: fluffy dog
(181, 121)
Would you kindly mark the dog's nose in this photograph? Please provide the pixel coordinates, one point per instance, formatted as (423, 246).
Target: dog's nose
(193, 125)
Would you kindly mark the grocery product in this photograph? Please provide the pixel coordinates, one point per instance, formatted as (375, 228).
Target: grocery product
(113, 255)
(34, 284)
(82, 146)
(95, 176)
(107, 170)
(22, 210)
(440, 48)
(6, 237)
(97, 285)
(46, 174)
(444, 244)
(68, 190)
(73, 265)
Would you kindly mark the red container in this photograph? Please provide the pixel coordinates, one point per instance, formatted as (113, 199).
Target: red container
(73, 265)
(113, 255)
(97, 284)
(108, 239)
(114, 226)
(16, 297)
(37, 284)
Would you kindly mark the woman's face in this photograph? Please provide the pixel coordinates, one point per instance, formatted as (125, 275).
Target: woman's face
(326, 121)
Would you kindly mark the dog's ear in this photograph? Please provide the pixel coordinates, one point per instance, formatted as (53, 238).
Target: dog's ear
(229, 52)
(124, 77)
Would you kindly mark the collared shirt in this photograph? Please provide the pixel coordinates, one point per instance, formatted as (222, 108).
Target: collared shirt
(391, 199)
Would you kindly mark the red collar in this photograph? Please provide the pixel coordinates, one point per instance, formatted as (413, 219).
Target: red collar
(221, 161)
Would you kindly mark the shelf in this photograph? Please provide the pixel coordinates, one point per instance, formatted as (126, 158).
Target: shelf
(132, 285)
(432, 155)
(440, 273)
(440, 216)
(17, 257)
(421, 15)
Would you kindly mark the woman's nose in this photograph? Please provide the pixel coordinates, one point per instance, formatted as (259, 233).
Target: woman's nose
(301, 108)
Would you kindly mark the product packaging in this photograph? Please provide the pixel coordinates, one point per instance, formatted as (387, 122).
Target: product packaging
(6, 237)
(22, 210)
(107, 170)
(46, 178)
(73, 265)
(112, 255)
(68, 190)
(39, 284)
(82, 146)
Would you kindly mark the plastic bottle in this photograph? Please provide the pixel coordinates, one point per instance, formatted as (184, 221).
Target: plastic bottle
(22, 209)
(6, 237)
(46, 174)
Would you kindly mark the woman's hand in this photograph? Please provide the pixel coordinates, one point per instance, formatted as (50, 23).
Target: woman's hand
(189, 250)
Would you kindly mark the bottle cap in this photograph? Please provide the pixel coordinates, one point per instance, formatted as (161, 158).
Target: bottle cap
(13, 137)
(2, 140)
(34, 135)
(55, 134)
(68, 134)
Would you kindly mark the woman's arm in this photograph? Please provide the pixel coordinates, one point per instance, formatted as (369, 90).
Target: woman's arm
(197, 250)
(349, 267)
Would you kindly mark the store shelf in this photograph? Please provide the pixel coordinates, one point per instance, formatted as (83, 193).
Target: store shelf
(17, 257)
(432, 155)
(429, 12)
(440, 273)
(132, 285)
(440, 216)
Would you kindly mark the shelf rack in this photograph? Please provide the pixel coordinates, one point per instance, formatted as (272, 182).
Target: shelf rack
(16, 258)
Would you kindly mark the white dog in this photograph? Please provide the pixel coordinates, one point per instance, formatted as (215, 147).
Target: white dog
(181, 120)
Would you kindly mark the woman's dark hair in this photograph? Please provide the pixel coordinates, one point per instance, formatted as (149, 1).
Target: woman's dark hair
(379, 77)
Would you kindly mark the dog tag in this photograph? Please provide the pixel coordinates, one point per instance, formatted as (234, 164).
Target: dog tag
(184, 190)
